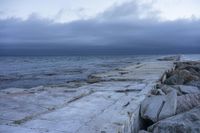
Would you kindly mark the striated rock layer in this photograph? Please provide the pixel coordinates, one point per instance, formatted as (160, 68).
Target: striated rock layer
(108, 103)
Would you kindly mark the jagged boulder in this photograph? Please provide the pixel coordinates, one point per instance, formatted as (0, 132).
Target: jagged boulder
(157, 92)
(179, 77)
(187, 102)
(188, 65)
(167, 89)
(169, 107)
(159, 107)
(150, 107)
(185, 89)
(188, 122)
(194, 83)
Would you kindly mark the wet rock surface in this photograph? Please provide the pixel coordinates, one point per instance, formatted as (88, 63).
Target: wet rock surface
(181, 93)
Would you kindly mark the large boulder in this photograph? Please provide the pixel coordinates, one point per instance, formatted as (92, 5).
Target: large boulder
(167, 89)
(188, 122)
(159, 107)
(179, 77)
(185, 89)
(169, 107)
(174, 79)
(193, 71)
(187, 102)
(194, 83)
(188, 65)
(151, 106)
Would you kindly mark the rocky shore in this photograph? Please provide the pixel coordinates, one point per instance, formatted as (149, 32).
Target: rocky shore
(108, 102)
(155, 96)
(174, 105)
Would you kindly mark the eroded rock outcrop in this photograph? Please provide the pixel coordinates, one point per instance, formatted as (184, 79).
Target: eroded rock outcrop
(175, 105)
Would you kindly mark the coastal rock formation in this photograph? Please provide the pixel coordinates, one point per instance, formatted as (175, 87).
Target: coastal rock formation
(159, 107)
(151, 107)
(170, 58)
(176, 103)
(169, 107)
(167, 89)
(194, 83)
(180, 77)
(185, 73)
(187, 102)
(187, 122)
(188, 89)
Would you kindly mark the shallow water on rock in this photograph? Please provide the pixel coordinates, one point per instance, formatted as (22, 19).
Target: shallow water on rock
(27, 72)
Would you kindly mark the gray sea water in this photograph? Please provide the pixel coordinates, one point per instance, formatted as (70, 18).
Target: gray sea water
(27, 72)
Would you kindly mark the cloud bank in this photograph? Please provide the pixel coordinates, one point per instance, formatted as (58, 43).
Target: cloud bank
(130, 28)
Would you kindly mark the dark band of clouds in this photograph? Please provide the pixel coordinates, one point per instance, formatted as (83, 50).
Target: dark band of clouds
(120, 30)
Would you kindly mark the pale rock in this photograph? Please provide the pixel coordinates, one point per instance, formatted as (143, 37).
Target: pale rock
(151, 106)
(187, 102)
(169, 107)
(189, 89)
(188, 122)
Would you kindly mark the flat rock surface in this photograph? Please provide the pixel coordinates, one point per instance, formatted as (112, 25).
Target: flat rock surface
(108, 106)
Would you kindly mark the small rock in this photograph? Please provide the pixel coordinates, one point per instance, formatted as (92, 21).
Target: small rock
(167, 89)
(157, 92)
(188, 122)
(187, 102)
(93, 79)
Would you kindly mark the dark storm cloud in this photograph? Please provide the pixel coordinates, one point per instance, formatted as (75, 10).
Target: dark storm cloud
(120, 30)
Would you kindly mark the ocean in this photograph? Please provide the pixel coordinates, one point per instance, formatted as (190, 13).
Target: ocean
(32, 71)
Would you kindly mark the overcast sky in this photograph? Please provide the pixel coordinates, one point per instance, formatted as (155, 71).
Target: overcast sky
(68, 27)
